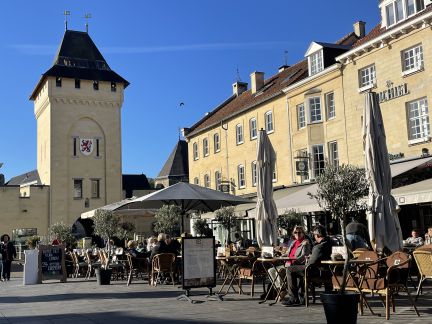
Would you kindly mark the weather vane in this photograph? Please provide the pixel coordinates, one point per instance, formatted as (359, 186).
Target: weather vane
(87, 16)
(66, 13)
(238, 74)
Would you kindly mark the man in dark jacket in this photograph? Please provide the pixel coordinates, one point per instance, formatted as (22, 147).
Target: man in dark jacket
(173, 245)
(321, 251)
(358, 235)
(160, 246)
(8, 253)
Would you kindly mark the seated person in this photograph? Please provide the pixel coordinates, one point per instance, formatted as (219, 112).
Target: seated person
(298, 250)
(132, 249)
(415, 239)
(140, 248)
(357, 234)
(239, 242)
(321, 251)
(160, 246)
(173, 245)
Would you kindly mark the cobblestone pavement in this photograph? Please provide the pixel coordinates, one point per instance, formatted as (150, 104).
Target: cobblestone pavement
(80, 301)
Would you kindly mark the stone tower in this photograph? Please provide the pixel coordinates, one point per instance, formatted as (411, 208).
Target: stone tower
(77, 104)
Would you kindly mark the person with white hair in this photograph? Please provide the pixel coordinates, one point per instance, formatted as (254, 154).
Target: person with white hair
(160, 246)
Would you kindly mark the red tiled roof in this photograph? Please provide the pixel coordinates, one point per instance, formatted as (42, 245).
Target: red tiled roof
(272, 88)
(377, 30)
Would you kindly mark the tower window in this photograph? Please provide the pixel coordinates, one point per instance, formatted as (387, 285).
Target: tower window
(58, 82)
(77, 193)
(95, 187)
(77, 83)
(97, 147)
(95, 85)
(74, 146)
(113, 87)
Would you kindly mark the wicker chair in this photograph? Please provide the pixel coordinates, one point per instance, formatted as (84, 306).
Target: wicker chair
(136, 267)
(252, 273)
(423, 259)
(92, 264)
(79, 266)
(162, 263)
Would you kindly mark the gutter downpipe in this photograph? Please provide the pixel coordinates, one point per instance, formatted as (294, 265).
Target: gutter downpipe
(226, 153)
(290, 139)
(344, 108)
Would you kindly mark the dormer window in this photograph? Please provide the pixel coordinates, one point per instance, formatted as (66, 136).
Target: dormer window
(58, 82)
(398, 10)
(316, 62)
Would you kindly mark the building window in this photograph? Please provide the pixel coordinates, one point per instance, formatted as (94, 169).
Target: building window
(95, 85)
(195, 151)
(74, 146)
(216, 140)
(78, 185)
(196, 180)
(315, 109)
(333, 153)
(77, 83)
(241, 176)
(95, 188)
(367, 77)
(97, 147)
(206, 181)
(269, 122)
(302, 164)
(239, 134)
(399, 10)
(58, 82)
(412, 59)
(418, 120)
(318, 159)
(301, 117)
(316, 62)
(205, 147)
(274, 174)
(330, 105)
(253, 128)
(218, 180)
(254, 173)
(113, 87)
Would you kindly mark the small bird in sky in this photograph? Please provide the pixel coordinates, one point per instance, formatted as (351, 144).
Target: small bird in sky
(181, 104)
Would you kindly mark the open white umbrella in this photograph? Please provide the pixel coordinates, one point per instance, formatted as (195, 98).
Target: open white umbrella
(266, 212)
(384, 227)
(188, 197)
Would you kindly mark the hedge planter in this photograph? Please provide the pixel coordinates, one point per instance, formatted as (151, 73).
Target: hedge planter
(340, 308)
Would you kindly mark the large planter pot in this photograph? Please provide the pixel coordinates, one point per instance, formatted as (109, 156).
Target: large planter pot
(340, 308)
(103, 276)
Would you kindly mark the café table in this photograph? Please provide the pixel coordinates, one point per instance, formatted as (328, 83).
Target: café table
(232, 265)
(274, 263)
(357, 264)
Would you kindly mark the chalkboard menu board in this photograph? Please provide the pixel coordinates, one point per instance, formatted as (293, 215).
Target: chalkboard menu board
(199, 262)
(52, 262)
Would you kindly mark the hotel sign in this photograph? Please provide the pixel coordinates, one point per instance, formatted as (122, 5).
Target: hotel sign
(393, 92)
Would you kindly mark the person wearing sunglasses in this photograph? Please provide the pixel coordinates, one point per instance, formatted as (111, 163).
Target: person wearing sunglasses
(297, 251)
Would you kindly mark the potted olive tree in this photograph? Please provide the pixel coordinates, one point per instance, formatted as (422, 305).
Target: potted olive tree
(105, 225)
(201, 228)
(341, 190)
(168, 219)
(61, 233)
(228, 220)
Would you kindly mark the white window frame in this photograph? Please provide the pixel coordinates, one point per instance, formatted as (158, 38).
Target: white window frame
(330, 105)
(412, 60)
(317, 165)
(239, 134)
(316, 62)
(205, 147)
(315, 110)
(269, 123)
(77, 188)
(195, 151)
(301, 116)
(368, 79)
(333, 153)
(218, 180)
(253, 131)
(241, 176)
(216, 140)
(420, 121)
(398, 16)
(207, 182)
(254, 173)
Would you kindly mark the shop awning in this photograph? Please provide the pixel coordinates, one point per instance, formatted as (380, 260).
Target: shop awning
(399, 168)
(416, 193)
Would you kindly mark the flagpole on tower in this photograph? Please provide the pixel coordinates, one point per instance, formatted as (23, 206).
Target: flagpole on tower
(66, 13)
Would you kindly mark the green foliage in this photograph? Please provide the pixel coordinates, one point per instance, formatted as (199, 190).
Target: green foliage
(226, 217)
(289, 219)
(201, 227)
(126, 230)
(168, 219)
(105, 224)
(62, 232)
(341, 189)
(32, 241)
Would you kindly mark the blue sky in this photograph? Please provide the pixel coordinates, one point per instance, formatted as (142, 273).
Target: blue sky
(170, 51)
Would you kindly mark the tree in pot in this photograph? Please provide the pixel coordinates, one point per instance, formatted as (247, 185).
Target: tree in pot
(201, 228)
(61, 233)
(126, 231)
(168, 219)
(226, 217)
(106, 225)
(341, 190)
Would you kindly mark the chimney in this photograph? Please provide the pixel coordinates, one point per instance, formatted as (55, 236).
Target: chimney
(283, 68)
(359, 29)
(239, 87)
(257, 81)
